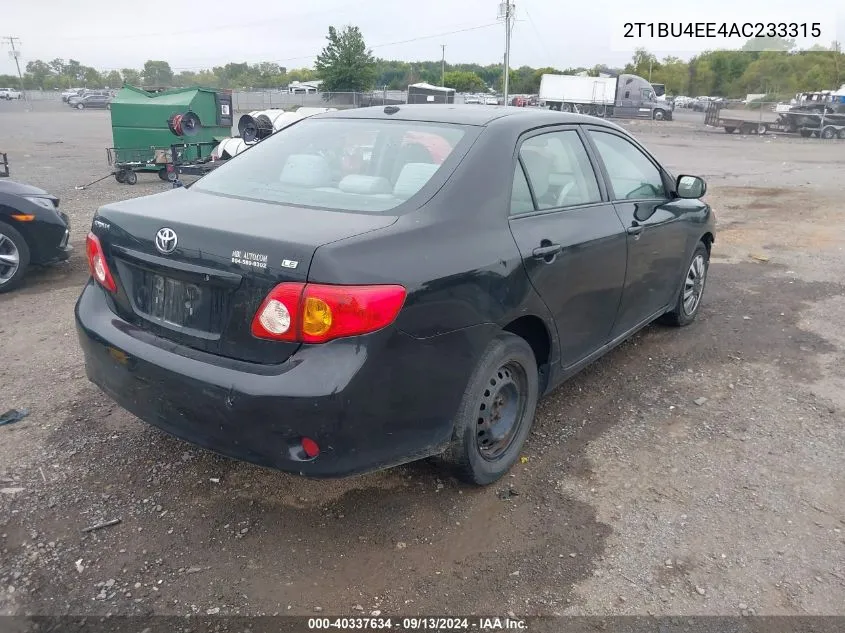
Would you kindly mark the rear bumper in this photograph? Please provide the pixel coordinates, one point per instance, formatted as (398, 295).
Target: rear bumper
(369, 403)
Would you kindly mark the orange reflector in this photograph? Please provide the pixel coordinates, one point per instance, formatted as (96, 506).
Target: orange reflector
(23, 217)
(310, 447)
(316, 317)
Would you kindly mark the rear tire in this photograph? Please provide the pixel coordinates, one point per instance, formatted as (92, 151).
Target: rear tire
(829, 132)
(659, 115)
(496, 412)
(12, 245)
(730, 129)
(130, 177)
(80, 106)
(689, 297)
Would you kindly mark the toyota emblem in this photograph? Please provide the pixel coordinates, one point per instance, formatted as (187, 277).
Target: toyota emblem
(166, 240)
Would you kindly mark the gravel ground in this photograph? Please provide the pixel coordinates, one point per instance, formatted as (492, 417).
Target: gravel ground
(694, 471)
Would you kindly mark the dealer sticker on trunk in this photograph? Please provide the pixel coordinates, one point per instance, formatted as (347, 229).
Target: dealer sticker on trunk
(256, 260)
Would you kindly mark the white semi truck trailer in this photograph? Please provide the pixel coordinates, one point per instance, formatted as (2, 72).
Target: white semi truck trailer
(624, 96)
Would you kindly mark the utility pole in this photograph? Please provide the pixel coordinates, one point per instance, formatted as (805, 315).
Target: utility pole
(506, 12)
(443, 66)
(15, 53)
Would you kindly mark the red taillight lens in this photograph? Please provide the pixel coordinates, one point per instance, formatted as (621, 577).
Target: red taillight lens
(97, 263)
(316, 313)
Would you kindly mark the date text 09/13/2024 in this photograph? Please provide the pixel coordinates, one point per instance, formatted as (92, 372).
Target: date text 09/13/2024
(745, 30)
(407, 624)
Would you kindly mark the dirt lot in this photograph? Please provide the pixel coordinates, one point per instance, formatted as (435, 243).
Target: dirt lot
(634, 499)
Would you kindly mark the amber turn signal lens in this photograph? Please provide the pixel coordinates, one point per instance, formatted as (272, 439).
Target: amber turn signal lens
(316, 317)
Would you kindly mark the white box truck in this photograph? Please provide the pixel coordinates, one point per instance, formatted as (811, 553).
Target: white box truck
(624, 96)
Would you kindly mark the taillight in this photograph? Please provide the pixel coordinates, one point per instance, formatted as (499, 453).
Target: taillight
(97, 263)
(316, 313)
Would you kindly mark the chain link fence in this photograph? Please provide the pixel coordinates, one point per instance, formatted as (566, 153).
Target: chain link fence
(267, 99)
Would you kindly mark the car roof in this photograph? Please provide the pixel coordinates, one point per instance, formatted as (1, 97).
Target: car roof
(467, 115)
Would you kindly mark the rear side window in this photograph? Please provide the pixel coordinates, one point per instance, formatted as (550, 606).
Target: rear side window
(342, 164)
(559, 170)
(521, 201)
(632, 175)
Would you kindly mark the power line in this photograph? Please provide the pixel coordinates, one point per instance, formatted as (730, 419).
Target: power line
(539, 37)
(200, 31)
(383, 45)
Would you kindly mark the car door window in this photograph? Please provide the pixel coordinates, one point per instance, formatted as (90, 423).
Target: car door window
(559, 170)
(632, 175)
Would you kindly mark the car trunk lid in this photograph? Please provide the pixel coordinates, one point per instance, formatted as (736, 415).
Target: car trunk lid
(194, 267)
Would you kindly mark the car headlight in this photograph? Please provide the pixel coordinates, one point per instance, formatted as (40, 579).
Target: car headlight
(41, 202)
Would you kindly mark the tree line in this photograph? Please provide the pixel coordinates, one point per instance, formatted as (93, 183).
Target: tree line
(346, 64)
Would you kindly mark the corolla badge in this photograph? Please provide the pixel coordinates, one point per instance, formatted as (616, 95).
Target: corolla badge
(166, 240)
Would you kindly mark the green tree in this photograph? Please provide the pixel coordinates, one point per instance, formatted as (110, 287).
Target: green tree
(39, 71)
(74, 71)
(674, 74)
(463, 81)
(113, 79)
(301, 74)
(92, 77)
(131, 76)
(346, 63)
(157, 73)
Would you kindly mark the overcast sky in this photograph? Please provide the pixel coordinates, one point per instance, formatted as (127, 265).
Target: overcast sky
(195, 34)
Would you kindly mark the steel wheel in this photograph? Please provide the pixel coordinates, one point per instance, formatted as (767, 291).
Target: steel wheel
(501, 411)
(10, 259)
(694, 284)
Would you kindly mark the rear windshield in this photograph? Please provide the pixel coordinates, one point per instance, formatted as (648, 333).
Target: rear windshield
(369, 165)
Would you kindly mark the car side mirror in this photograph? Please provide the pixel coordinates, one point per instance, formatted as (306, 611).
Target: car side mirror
(690, 187)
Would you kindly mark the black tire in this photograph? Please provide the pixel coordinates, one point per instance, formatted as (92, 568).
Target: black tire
(730, 129)
(118, 176)
(805, 133)
(842, 133)
(80, 106)
(659, 115)
(130, 177)
(828, 132)
(162, 173)
(682, 315)
(506, 374)
(8, 232)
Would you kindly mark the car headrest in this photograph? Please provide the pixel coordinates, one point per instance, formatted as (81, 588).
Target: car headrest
(412, 178)
(356, 183)
(306, 170)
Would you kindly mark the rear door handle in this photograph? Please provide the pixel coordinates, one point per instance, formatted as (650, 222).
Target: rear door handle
(635, 229)
(546, 250)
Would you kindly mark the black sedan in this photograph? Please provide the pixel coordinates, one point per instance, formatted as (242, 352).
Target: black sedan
(375, 286)
(91, 101)
(32, 231)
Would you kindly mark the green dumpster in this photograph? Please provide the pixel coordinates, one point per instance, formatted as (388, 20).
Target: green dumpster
(146, 124)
